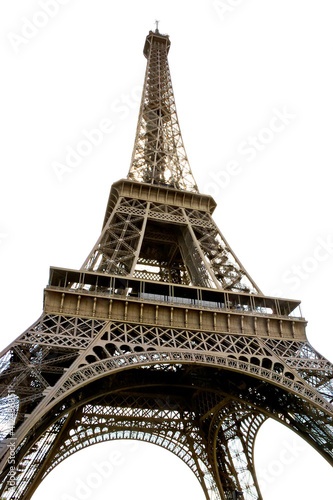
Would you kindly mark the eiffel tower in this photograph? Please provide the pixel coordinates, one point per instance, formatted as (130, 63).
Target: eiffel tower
(161, 336)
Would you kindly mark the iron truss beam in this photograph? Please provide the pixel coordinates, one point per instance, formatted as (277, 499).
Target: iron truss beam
(161, 336)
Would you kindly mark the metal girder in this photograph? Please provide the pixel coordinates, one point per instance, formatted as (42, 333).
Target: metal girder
(266, 365)
(171, 244)
(159, 155)
(161, 336)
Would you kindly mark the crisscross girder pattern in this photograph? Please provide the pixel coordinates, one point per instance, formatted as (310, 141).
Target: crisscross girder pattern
(132, 242)
(59, 379)
(159, 155)
(58, 355)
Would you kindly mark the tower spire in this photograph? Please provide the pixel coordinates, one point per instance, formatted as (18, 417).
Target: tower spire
(159, 155)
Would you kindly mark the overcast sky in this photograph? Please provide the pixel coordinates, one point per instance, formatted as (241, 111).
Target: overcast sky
(253, 85)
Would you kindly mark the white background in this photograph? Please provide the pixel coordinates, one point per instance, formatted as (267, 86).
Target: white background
(230, 71)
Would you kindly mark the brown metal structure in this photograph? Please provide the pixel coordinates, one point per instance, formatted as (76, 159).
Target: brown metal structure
(161, 336)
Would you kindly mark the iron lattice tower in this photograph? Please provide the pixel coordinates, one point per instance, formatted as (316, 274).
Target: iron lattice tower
(161, 336)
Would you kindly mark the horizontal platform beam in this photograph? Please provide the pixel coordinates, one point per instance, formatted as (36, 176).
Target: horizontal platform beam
(144, 311)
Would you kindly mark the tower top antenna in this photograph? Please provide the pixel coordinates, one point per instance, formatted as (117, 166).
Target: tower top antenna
(157, 23)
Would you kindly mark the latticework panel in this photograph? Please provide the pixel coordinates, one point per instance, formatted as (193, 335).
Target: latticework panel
(316, 370)
(233, 431)
(177, 431)
(124, 345)
(135, 418)
(170, 421)
(34, 363)
(159, 155)
(213, 425)
(116, 248)
(29, 467)
(226, 267)
(167, 422)
(159, 242)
